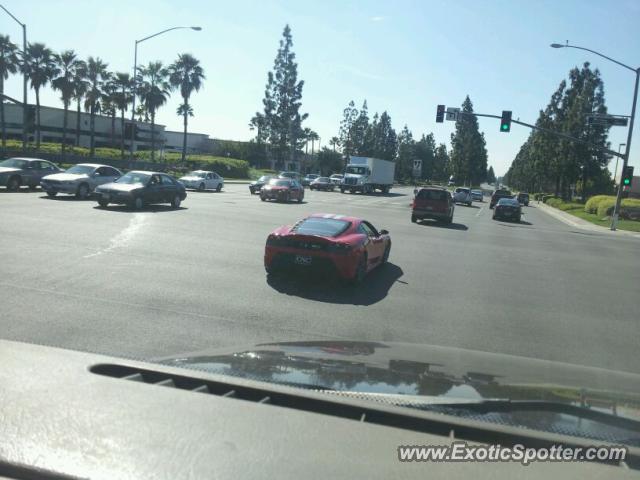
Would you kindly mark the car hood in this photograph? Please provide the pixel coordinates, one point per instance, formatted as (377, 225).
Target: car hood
(66, 177)
(8, 170)
(442, 374)
(119, 187)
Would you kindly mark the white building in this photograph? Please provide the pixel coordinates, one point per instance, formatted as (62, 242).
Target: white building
(107, 132)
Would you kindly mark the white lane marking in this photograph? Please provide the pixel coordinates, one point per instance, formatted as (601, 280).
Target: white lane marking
(123, 238)
(481, 209)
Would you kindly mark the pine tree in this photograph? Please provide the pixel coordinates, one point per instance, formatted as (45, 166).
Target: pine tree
(280, 123)
(406, 154)
(491, 176)
(468, 148)
(441, 163)
(349, 117)
(425, 150)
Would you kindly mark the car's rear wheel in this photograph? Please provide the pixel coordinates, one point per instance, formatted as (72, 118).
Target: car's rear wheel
(300, 197)
(103, 203)
(414, 219)
(175, 203)
(361, 270)
(341, 190)
(83, 191)
(449, 220)
(14, 183)
(219, 187)
(201, 187)
(287, 198)
(51, 193)
(262, 198)
(33, 186)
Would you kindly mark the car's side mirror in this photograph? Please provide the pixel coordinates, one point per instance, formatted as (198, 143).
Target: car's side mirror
(384, 232)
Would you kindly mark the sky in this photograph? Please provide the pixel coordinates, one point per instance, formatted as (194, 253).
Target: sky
(404, 57)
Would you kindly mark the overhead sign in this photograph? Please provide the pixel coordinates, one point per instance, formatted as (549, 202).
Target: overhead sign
(607, 120)
(452, 114)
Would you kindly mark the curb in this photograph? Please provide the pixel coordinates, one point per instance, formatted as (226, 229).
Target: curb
(568, 219)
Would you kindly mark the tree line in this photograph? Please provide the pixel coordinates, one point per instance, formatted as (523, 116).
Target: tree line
(281, 136)
(547, 163)
(97, 90)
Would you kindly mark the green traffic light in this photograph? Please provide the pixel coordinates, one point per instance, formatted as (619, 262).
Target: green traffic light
(626, 181)
(504, 127)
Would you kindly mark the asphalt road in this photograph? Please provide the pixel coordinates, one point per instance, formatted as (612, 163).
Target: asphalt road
(161, 281)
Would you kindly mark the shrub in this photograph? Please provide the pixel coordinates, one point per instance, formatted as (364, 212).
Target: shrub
(592, 204)
(545, 198)
(605, 207)
(570, 206)
(553, 201)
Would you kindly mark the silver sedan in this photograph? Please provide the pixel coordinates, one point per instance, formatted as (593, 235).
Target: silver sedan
(80, 180)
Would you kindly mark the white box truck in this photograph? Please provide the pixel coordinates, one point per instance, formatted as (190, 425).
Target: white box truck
(366, 174)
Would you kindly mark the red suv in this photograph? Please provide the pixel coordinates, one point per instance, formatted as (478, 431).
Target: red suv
(432, 202)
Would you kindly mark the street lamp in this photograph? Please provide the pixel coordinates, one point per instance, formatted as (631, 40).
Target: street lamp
(625, 158)
(135, 81)
(24, 79)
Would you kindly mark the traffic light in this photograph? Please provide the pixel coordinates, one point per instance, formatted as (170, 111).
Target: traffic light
(627, 176)
(505, 123)
(440, 114)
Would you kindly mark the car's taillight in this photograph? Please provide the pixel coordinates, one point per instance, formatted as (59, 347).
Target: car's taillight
(341, 248)
(274, 240)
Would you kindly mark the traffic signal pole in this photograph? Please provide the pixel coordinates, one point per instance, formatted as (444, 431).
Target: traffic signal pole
(625, 158)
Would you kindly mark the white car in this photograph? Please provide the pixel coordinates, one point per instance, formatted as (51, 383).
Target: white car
(462, 195)
(80, 180)
(336, 178)
(202, 180)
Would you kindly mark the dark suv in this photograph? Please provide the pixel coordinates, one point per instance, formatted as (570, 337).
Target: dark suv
(497, 195)
(432, 202)
(523, 198)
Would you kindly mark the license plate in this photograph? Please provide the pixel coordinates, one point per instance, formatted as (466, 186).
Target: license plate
(303, 260)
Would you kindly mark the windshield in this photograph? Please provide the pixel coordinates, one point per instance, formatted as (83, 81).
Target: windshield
(402, 101)
(134, 177)
(14, 163)
(324, 227)
(280, 183)
(357, 170)
(81, 170)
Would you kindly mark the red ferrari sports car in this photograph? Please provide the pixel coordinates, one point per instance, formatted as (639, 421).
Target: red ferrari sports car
(348, 246)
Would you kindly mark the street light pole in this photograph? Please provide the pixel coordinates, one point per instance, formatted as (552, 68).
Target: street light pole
(625, 158)
(135, 83)
(24, 80)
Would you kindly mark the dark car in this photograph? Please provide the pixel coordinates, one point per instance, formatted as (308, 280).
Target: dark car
(497, 195)
(283, 190)
(306, 181)
(322, 183)
(523, 198)
(137, 189)
(507, 209)
(256, 185)
(17, 172)
(326, 243)
(432, 202)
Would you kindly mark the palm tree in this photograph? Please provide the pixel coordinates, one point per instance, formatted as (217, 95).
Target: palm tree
(313, 136)
(109, 92)
(67, 63)
(9, 63)
(122, 82)
(97, 74)
(334, 142)
(154, 92)
(80, 86)
(187, 75)
(38, 63)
